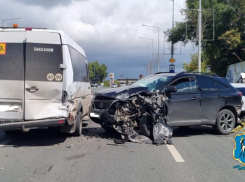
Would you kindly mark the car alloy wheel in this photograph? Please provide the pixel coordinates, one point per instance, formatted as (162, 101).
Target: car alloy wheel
(225, 121)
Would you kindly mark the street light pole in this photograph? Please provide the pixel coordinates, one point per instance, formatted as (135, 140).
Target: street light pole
(172, 45)
(147, 57)
(199, 35)
(158, 61)
(151, 48)
(9, 19)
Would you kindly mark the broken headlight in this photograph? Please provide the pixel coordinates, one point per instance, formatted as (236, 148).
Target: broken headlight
(122, 96)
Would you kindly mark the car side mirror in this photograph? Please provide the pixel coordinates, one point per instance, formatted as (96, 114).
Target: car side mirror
(172, 88)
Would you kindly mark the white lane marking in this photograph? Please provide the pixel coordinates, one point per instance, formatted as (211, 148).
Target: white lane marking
(175, 153)
(5, 142)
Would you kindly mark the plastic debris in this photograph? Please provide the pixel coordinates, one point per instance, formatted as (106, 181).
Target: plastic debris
(240, 127)
(135, 137)
(69, 146)
(162, 133)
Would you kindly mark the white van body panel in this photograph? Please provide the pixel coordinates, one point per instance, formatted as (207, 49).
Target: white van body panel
(46, 101)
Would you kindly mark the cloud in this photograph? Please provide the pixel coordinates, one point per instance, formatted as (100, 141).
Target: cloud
(108, 30)
(43, 3)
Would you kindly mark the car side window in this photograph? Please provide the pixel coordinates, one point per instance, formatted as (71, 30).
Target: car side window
(222, 87)
(184, 85)
(206, 85)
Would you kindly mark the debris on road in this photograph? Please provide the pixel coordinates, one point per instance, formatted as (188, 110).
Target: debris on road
(69, 146)
(240, 127)
(161, 133)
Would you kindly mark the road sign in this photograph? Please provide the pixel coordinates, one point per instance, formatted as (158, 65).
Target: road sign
(111, 78)
(171, 68)
(172, 60)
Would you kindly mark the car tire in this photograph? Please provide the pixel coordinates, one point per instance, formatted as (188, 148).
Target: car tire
(108, 129)
(184, 127)
(78, 127)
(145, 127)
(11, 132)
(225, 122)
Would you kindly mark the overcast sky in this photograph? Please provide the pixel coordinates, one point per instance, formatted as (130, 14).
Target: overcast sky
(107, 30)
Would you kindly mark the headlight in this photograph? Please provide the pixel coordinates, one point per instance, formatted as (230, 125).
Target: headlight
(122, 96)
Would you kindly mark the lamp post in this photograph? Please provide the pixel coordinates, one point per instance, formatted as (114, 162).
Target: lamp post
(237, 56)
(158, 61)
(151, 48)
(172, 45)
(199, 35)
(9, 19)
(148, 68)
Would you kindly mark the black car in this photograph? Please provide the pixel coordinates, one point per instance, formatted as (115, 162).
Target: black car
(193, 99)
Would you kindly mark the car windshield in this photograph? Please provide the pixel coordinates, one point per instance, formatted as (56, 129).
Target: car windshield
(153, 82)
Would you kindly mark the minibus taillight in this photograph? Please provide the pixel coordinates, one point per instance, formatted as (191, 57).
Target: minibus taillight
(28, 29)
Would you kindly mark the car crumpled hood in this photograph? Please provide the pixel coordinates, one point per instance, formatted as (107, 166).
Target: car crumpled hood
(112, 93)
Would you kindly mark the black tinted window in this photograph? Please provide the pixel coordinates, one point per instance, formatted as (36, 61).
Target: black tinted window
(80, 71)
(43, 60)
(12, 61)
(185, 85)
(206, 85)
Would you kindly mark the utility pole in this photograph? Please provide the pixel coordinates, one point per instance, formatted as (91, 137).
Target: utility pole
(158, 60)
(199, 35)
(172, 45)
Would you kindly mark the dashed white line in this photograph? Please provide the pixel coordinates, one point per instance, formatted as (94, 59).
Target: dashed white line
(2, 144)
(175, 153)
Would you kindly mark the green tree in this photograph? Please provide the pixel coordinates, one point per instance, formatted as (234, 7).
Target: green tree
(193, 65)
(229, 32)
(106, 83)
(97, 72)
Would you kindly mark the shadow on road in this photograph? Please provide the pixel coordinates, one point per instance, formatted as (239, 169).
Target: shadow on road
(194, 130)
(37, 137)
(98, 132)
(49, 137)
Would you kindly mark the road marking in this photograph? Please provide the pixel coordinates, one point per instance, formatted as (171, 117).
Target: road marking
(2, 144)
(175, 153)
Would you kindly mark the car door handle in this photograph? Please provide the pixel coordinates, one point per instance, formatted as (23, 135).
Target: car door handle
(220, 97)
(32, 89)
(83, 97)
(195, 98)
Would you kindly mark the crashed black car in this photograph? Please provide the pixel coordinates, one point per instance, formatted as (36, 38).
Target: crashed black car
(183, 99)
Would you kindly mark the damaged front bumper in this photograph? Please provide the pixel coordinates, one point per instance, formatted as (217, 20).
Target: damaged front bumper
(22, 125)
(101, 117)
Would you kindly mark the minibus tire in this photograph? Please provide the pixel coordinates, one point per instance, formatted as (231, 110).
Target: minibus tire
(78, 130)
(10, 132)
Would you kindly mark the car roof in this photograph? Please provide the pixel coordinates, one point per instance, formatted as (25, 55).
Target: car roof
(165, 73)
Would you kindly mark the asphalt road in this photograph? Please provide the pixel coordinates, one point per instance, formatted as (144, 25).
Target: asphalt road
(46, 155)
